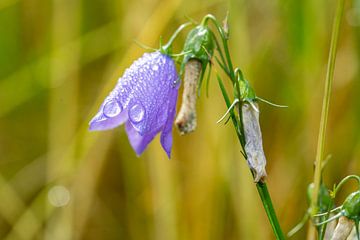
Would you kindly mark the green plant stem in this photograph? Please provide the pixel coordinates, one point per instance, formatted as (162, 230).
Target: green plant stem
(238, 123)
(167, 47)
(224, 39)
(263, 191)
(269, 209)
(343, 181)
(261, 186)
(325, 108)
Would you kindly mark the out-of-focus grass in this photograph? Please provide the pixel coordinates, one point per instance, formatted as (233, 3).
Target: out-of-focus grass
(58, 61)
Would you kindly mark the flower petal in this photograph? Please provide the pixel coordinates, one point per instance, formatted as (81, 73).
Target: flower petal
(137, 141)
(166, 135)
(145, 89)
(145, 98)
(110, 115)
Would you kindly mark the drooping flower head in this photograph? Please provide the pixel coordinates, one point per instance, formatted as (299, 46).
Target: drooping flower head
(145, 100)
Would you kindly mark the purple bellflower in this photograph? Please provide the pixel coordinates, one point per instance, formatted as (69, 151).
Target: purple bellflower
(145, 100)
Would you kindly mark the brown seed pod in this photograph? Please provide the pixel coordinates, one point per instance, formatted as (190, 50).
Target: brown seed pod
(186, 118)
(253, 146)
(330, 228)
(343, 229)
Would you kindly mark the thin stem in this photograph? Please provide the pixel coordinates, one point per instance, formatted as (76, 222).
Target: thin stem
(325, 108)
(229, 109)
(224, 41)
(299, 226)
(343, 181)
(327, 212)
(262, 190)
(224, 65)
(330, 219)
(167, 46)
(228, 104)
(261, 186)
(238, 123)
(269, 209)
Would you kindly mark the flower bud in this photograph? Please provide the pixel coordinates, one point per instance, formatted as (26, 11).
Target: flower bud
(324, 198)
(199, 45)
(198, 49)
(351, 206)
(253, 146)
(247, 93)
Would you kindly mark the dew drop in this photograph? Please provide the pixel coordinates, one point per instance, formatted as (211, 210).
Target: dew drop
(155, 67)
(175, 83)
(112, 108)
(137, 113)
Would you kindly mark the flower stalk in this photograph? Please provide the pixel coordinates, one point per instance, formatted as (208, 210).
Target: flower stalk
(325, 111)
(246, 95)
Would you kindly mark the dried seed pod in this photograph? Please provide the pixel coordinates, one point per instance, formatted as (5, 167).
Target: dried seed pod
(343, 228)
(330, 228)
(186, 118)
(353, 234)
(253, 146)
(198, 50)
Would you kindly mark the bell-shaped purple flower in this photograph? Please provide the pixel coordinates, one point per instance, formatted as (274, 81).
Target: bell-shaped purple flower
(145, 100)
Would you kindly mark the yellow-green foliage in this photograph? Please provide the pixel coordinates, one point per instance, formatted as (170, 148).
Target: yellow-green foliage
(59, 59)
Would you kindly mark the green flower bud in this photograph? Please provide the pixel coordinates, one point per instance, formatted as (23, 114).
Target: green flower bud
(351, 206)
(199, 45)
(247, 93)
(324, 198)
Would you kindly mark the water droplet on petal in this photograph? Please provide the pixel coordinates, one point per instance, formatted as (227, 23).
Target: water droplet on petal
(155, 67)
(137, 113)
(112, 108)
(175, 83)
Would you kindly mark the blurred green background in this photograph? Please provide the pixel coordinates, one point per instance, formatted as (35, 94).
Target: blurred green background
(60, 58)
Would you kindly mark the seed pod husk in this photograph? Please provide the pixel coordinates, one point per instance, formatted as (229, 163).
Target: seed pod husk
(253, 141)
(198, 49)
(330, 228)
(343, 228)
(186, 118)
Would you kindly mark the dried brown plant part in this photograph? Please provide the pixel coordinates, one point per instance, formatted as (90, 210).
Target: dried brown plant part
(343, 229)
(186, 118)
(253, 146)
(330, 228)
(352, 235)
